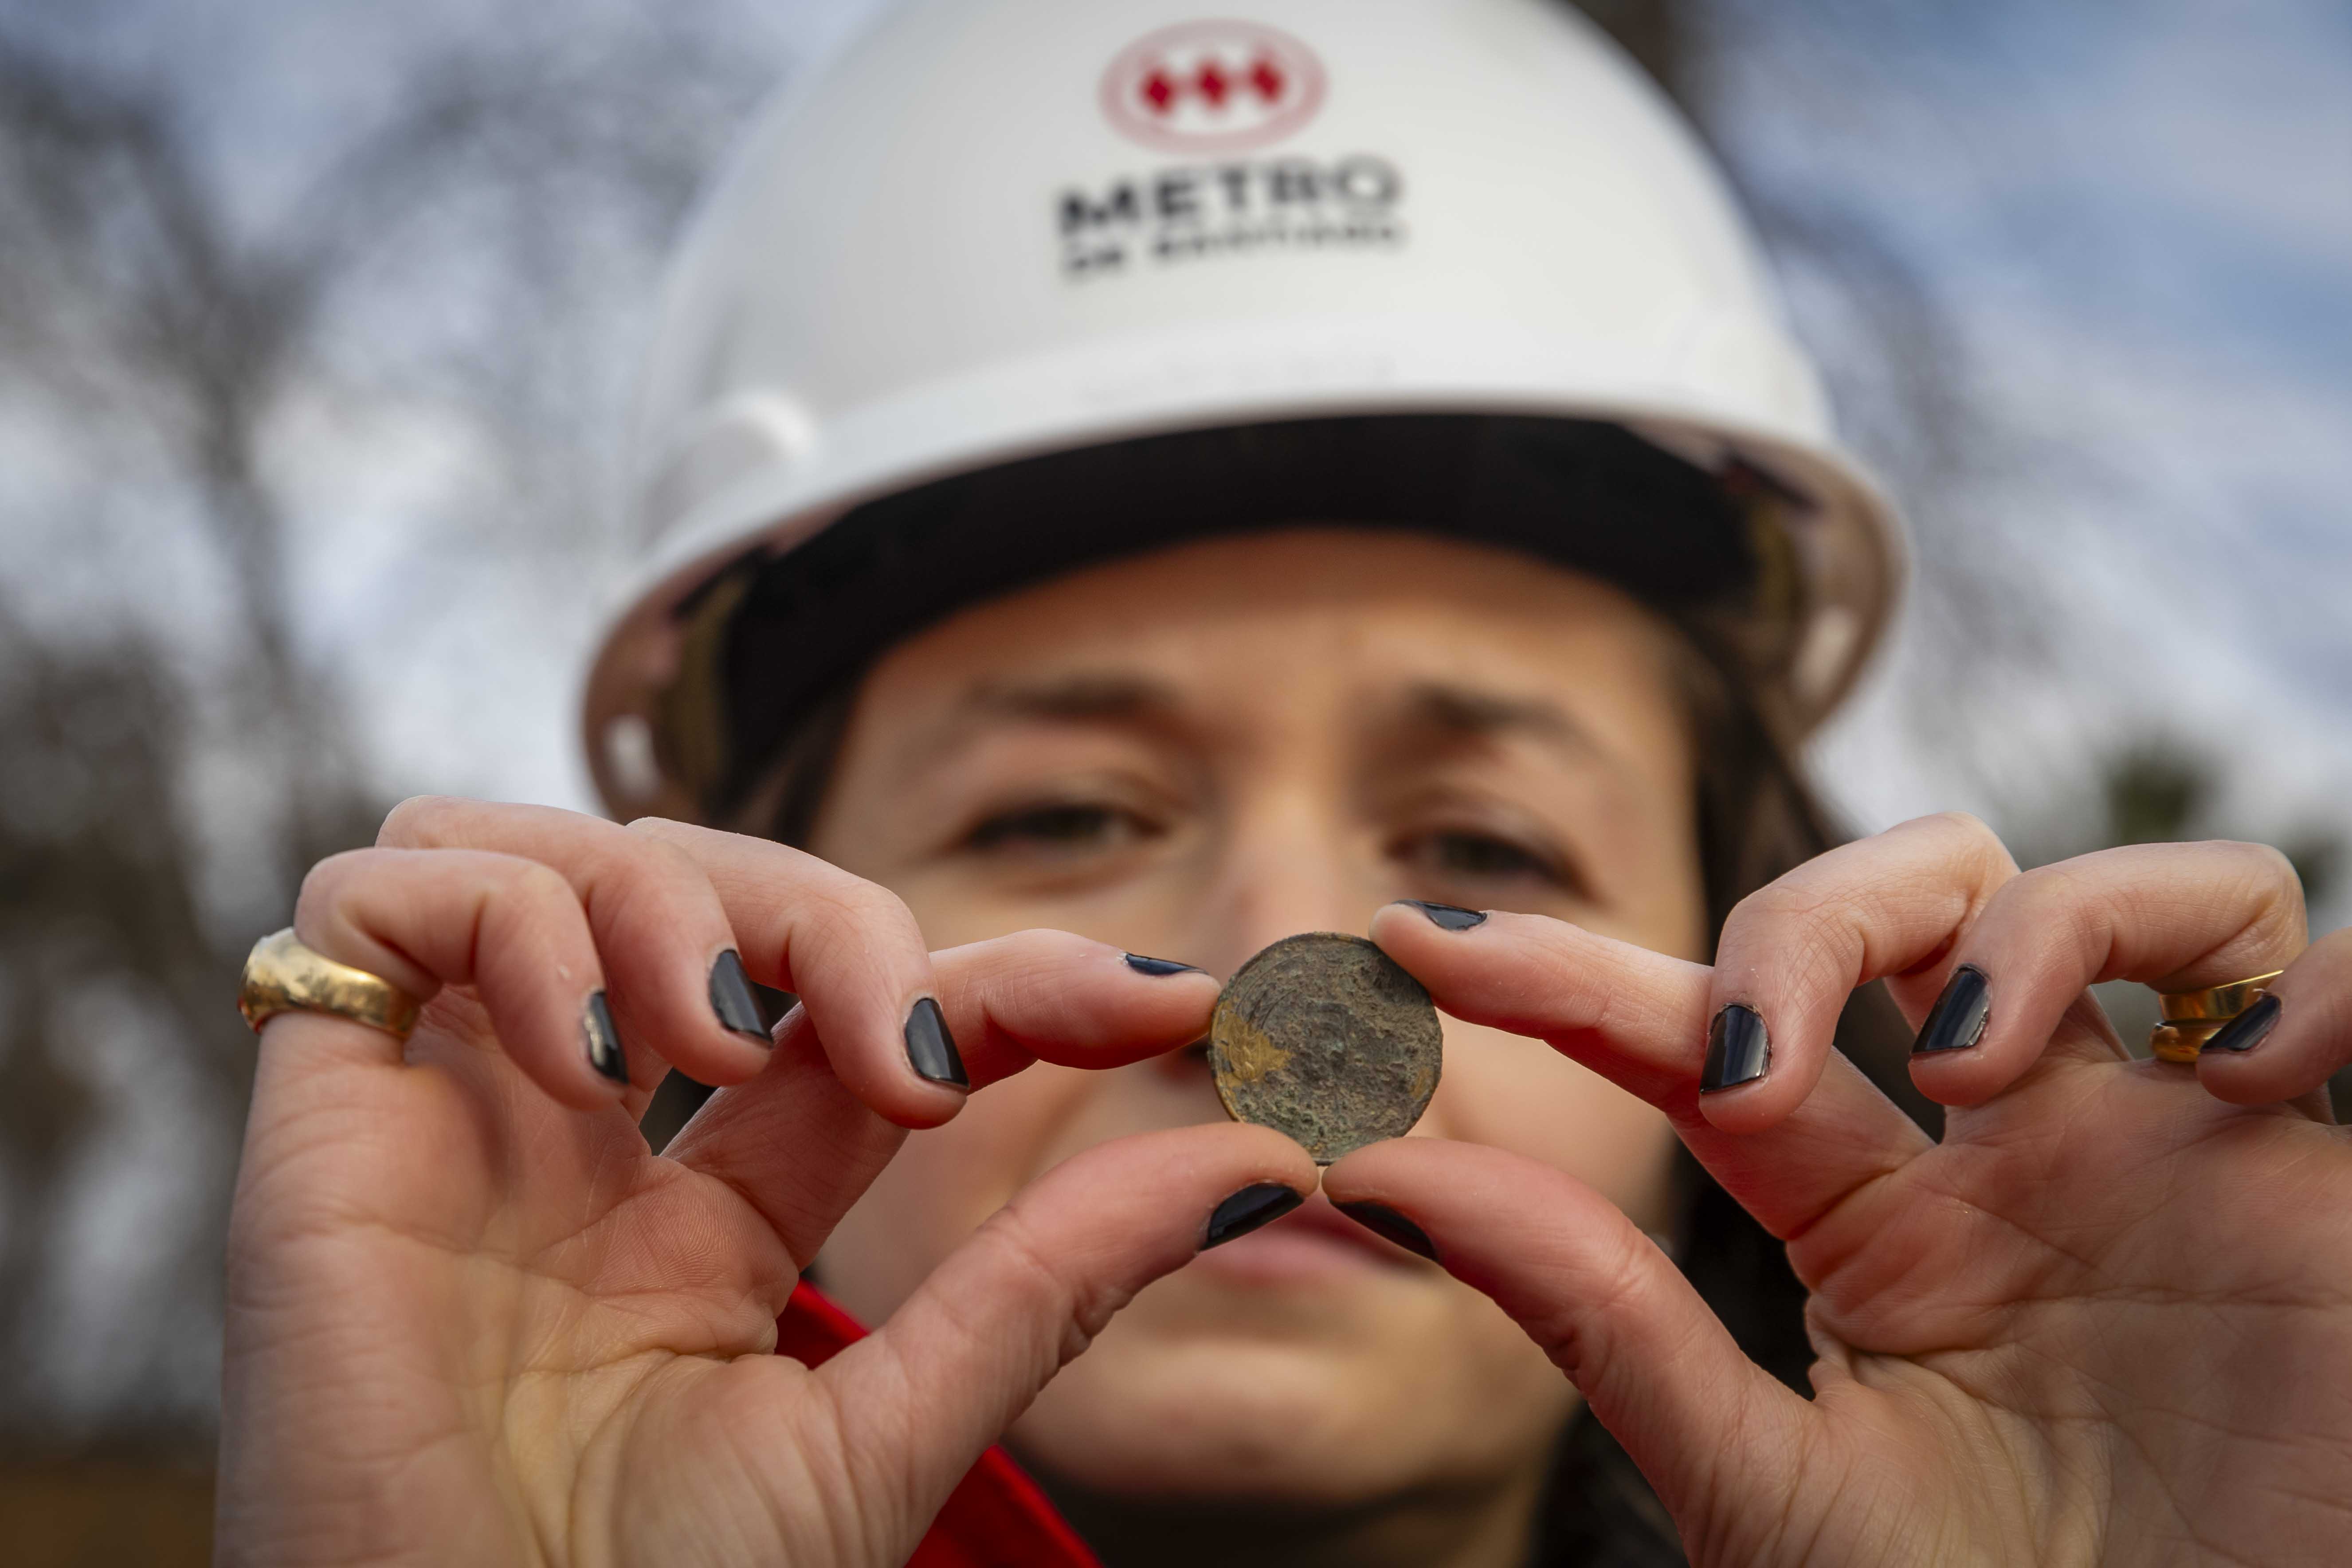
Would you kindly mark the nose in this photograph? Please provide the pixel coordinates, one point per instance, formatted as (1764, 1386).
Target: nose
(1285, 867)
(1285, 863)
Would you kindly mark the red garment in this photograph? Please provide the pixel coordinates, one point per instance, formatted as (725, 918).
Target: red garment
(996, 1517)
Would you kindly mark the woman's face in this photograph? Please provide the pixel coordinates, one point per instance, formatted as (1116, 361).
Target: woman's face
(1191, 754)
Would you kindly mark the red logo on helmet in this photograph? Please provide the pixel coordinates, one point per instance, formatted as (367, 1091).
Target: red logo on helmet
(1213, 87)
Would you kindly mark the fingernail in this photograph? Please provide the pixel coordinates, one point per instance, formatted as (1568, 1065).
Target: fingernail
(1957, 1021)
(930, 1049)
(1448, 917)
(1389, 1225)
(1247, 1210)
(732, 999)
(1737, 1050)
(2246, 1031)
(605, 1053)
(1143, 966)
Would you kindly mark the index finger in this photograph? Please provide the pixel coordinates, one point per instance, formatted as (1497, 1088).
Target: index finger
(797, 1147)
(853, 954)
(1640, 1019)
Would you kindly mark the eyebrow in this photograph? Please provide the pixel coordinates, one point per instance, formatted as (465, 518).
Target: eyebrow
(1077, 697)
(1449, 708)
(1473, 714)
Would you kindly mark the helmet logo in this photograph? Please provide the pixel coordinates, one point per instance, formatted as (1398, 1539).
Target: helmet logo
(1213, 87)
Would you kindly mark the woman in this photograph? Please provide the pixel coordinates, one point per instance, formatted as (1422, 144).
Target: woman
(999, 765)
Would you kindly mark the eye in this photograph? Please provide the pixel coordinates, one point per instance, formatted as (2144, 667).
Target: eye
(1459, 856)
(1482, 855)
(1059, 827)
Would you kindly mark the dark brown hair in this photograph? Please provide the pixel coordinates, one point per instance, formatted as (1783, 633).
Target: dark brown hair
(1758, 817)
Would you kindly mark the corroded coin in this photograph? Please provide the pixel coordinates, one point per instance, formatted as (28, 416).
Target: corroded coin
(1323, 1037)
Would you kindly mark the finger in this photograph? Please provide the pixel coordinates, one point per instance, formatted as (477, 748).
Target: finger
(2176, 916)
(965, 1354)
(1048, 995)
(1658, 1368)
(1793, 951)
(800, 1149)
(2291, 1042)
(852, 953)
(509, 927)
(1640, 1019)
(666, 949)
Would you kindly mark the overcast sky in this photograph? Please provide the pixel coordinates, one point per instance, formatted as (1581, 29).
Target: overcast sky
(2136, 220)
(2139, 218)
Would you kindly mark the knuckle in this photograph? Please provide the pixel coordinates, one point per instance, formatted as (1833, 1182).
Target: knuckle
(2057, 902)
(669, 838)
(416, 819)
(1081, 1303)
(629, 874)
(2274, 891)
(2266, 867)
(2045, 889)
(537, 884)
(1791, 900)
(663, 861)
(1964, 826)
(325, 884)
(867, 906)
(1966, 839)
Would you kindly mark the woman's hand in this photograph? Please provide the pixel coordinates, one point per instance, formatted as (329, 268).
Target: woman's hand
(2108, 1319)
(472, 1317)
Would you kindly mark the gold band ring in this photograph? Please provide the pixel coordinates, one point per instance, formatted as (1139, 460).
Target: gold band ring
(2192, 1017)
(281, 976)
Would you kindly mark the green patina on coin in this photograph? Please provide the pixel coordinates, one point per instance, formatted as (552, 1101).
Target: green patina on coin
(1324, 1039)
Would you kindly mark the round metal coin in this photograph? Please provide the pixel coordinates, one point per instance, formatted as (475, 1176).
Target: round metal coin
(1324, 1039)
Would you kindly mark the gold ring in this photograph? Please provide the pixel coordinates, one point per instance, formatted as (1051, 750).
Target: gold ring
(2192, 1017)
(281, 976)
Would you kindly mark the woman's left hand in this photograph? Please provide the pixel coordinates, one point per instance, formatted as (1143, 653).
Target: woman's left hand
(2108, 1318)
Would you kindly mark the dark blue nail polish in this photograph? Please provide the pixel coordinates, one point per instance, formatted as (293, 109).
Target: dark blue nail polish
(1389, 1225)
(732, 999)
(605, 1052)
(1156, 966)
(1448, 917)
(930, 1049)
(1956, 1022)
(2248, 1029)
(1247, 1210)
(1737, 1051)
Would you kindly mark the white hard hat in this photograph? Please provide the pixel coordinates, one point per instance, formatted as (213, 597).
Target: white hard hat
(994, 230)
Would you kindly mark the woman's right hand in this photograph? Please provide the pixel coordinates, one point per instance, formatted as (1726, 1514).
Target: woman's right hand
(472, 1317)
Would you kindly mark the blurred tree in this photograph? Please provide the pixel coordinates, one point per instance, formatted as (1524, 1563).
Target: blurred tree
(171, 756)
(125, 308)
(2153, 794)
(2159, 792)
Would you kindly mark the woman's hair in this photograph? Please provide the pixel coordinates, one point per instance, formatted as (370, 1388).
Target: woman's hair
(1756, 818)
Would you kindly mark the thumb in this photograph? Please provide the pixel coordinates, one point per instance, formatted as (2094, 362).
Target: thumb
(1717, 1436)
(964, 1355)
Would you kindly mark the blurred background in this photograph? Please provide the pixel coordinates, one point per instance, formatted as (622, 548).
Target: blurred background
(317, 328)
